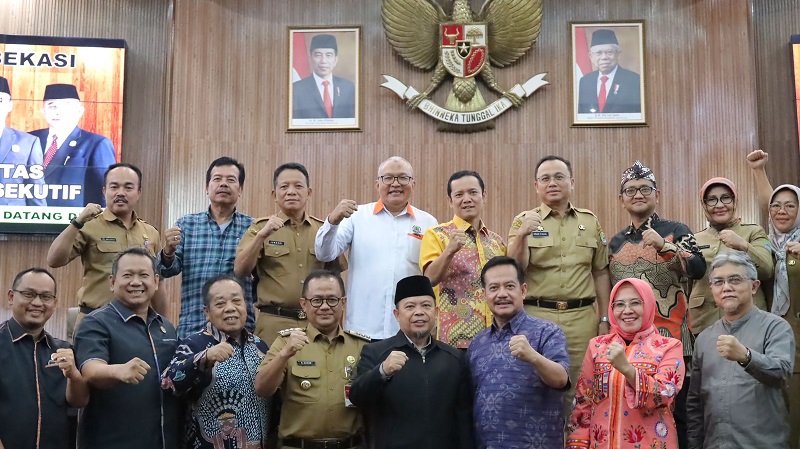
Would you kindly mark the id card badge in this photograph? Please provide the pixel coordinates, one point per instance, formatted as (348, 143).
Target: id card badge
(347, 402)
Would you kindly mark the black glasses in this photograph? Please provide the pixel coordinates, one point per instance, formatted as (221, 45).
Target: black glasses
(644, 190)
(317, 302)
(712, 201)
(389, 180)
(30, 295)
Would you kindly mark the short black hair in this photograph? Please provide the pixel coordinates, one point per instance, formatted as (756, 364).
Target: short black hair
(502, 260)
(289, 166)
(219, 278)
(225, 161)
(133, 251)
(18, 277)
(321, 274)
(464, 174)
(123, 165)
(552, 158)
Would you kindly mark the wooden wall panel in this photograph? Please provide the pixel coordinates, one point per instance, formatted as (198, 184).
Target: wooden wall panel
(774, 21)
(146, 26)
(231, 56)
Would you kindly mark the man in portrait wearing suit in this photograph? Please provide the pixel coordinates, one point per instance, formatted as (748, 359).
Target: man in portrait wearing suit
(323, 95)
(72, 155)
(17, 148)
(610, 88)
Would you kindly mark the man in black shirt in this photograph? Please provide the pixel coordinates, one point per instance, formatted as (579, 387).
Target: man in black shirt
(121, 349)
(39, 379)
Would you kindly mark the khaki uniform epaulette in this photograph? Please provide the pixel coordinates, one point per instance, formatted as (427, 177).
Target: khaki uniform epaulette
(311, 217)
(359, 335)
(287, 332)
(585, 211)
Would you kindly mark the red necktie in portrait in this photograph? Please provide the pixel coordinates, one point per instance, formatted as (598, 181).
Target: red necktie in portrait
(326, 98)
(601, 98)
(51, 150)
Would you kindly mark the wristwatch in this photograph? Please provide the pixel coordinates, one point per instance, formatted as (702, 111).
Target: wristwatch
(747, 359)
(604, 319)
(75, 223)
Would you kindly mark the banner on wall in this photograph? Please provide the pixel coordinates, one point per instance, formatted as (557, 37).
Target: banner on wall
(795, 41)
(61, 102)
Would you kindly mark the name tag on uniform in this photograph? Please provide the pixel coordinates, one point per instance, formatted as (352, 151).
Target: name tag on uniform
(701, 247)
(276, 243)
(306, 363)
(540, 234)
(108, 239)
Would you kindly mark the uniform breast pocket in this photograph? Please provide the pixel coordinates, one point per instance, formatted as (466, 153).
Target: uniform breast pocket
(540, 242)
(304, 384)
(108, 250)
(276, 258)
(586, 248)
(602, 376)
(413, 245)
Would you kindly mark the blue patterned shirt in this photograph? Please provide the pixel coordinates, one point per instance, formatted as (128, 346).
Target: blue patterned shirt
(514, 408)
(204, 252)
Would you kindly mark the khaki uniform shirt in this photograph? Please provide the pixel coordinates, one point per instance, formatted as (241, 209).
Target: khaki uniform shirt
(703, 311)
(313, 389)
(285, 260)
(98, 242)
(563, 253)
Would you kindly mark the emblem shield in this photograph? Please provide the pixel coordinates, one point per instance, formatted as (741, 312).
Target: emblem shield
(463, 48)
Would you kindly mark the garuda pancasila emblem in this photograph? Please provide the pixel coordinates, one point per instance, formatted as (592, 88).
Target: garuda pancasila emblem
(465, 46)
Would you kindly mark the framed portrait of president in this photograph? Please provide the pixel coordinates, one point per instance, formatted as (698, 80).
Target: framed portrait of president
(608, 74)
(324, 79)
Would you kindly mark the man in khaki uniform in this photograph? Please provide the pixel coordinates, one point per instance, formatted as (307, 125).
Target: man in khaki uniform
(565, 255)
(279, 250)
(98, 235)
(314, 366)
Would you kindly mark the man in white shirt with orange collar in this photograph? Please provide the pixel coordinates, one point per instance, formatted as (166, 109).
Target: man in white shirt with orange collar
(384, 240)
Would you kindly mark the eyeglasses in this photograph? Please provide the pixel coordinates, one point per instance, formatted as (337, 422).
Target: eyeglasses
(317, 302)
(733, 281)
(788, 207)
(30, 295)
(712, 201)
(559, 177)
(644, 190)
(621, 305)
(389, 180)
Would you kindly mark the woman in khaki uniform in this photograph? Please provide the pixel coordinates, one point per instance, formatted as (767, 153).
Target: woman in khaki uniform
(725, 232)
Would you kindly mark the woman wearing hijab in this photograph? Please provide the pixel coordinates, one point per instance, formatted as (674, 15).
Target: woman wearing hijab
(725, 232)
(629, 379)
(784, 235)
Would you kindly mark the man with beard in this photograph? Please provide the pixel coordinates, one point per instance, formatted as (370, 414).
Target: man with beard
(741, 365)
(203, 245)
(98, 235)
(414, 388)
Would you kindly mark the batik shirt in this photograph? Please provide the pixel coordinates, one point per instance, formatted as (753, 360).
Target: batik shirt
(225, 411)
(513, 406)
(667, 271)
(463, 311)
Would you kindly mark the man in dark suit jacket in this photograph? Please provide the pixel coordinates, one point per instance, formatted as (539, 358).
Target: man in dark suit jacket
(620, 91)
(323, 95)
(17, 148)
(414, 388)
(77, 156)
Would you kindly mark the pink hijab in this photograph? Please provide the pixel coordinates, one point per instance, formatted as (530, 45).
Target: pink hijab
(649, 300)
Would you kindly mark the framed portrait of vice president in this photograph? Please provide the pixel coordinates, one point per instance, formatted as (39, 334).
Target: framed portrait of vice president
(608, 74)
(324, 79)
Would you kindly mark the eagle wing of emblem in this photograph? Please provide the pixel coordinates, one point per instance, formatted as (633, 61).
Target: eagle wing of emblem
(412, 29)
(513, 27)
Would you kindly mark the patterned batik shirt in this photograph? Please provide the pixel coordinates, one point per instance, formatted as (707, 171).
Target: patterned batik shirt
(667, 271)
(224, 410)
(463, 311)
(205, 251)
(514, 408)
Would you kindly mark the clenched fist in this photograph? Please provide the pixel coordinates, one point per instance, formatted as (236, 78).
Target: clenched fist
(219, 352)
(133, 372)
(394, 363)
(297, 340)
(530, 222)
(651, 237)
(273, 224)
(88, 213)
(521, 348)
(733, 241)
(757, 159)
(344, 209)
(172, 237)
(730, 348)
(457, 241)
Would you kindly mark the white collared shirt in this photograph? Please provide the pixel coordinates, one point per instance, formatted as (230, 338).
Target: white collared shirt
(321, 88)
(383, 249)
(609, 82)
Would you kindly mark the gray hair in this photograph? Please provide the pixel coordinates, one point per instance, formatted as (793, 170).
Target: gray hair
(739, 258)
(396, 159)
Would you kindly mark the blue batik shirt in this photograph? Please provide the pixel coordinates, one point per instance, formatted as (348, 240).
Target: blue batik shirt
(514, 408)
